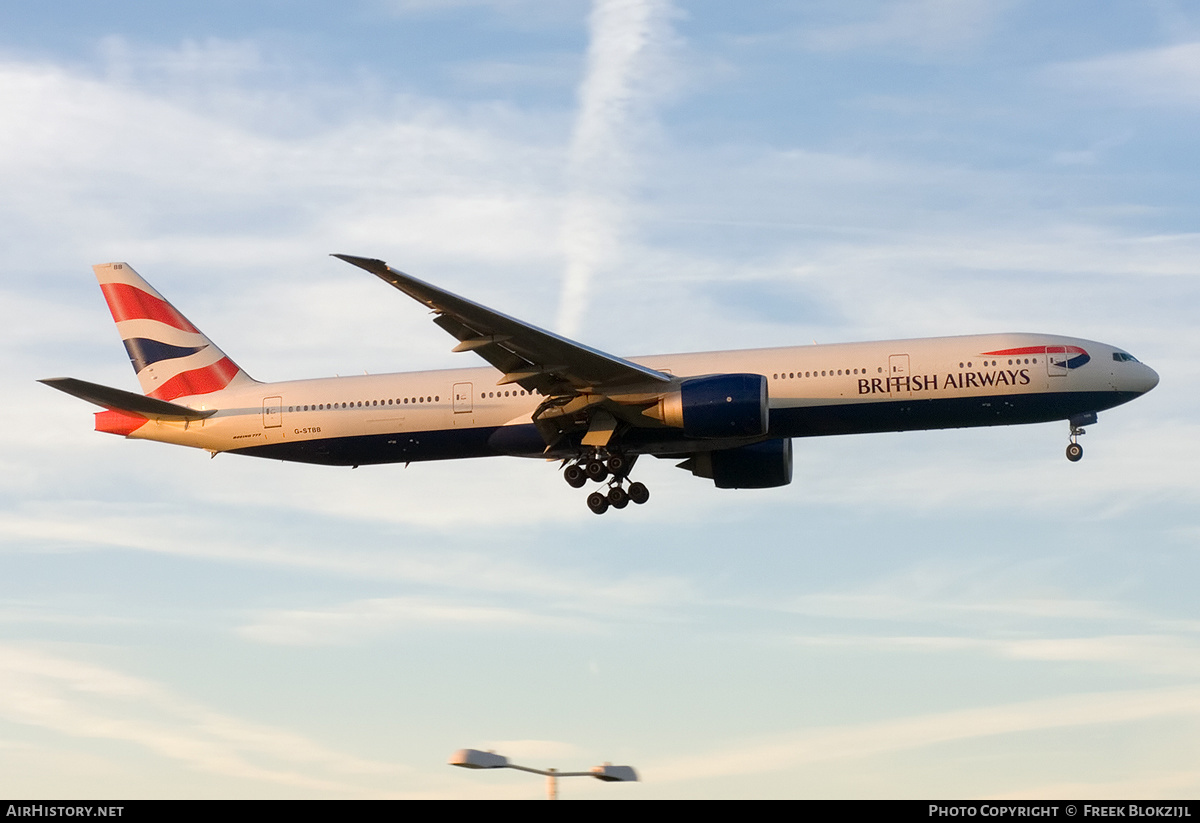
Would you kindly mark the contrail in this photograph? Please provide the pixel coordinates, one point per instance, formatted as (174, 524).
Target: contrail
(628, 39)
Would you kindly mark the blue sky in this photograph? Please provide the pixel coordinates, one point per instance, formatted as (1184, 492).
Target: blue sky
(951, 614)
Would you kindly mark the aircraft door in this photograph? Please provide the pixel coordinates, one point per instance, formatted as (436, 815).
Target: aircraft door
(1056, 361)
(898, 375)
(462, 398)
(272, 412)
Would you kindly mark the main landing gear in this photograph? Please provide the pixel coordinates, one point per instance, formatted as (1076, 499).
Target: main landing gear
(614, 468)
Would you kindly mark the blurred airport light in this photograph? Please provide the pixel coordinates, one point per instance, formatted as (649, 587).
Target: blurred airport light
(476, 759)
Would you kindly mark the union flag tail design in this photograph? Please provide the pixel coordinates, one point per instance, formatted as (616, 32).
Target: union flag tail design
(172, 357)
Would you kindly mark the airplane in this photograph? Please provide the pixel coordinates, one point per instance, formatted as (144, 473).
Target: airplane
(728, 416)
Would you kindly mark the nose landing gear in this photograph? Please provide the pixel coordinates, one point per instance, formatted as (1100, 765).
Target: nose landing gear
(599, 467)
(1074, 450)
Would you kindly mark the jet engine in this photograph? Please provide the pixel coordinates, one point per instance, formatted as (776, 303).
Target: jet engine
(759, 466)
(720, 405)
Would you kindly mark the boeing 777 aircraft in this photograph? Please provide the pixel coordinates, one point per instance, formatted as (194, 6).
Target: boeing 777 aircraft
(728, 415)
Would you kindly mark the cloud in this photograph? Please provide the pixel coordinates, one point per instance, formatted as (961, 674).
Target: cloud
(798, 749)
(986, 470)
(1144, 653)
(1161, 76)
(925, 26)
(82, 700)
(554, 73)
(192, 66)
(517, 11)
(364, 619)
(626, 61)
(358, 550)
(914, 596)
(97, 163)
(1164, 783)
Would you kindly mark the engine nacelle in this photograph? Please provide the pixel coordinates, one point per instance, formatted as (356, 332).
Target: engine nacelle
(721, 405)
(760, 466)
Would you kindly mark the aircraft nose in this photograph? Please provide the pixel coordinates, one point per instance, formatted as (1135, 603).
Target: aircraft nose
(1151, 379)
(1144, 380)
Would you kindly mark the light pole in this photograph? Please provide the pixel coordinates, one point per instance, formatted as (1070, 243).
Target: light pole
(475, 759)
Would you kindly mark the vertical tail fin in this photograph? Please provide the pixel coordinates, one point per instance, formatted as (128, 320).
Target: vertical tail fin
(172, 357)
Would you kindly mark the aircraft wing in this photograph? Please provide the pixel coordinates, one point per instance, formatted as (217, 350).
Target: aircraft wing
(533, 358)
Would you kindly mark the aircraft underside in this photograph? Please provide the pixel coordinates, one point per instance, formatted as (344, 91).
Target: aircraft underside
(613, 463)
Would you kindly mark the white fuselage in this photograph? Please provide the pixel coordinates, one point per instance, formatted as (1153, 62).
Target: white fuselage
(813, 390)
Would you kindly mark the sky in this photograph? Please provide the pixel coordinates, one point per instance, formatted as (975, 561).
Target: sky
(948, 614)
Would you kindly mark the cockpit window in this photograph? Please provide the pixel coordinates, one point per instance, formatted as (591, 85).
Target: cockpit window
(1124, 357)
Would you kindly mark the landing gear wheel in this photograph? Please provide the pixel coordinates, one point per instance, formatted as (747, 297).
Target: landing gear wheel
(597, 502)
(596, 471)
(618, 498)
(575, 476)
(618, 464)
(638, 493)
(1075, 451)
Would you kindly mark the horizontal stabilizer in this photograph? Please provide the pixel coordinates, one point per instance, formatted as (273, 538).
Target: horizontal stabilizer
(125, 401)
